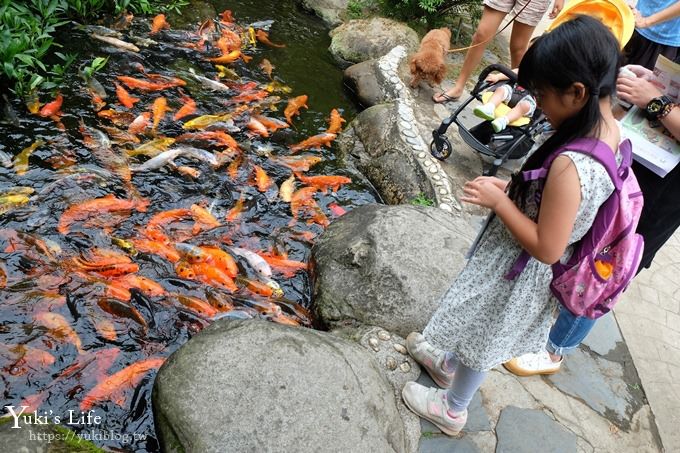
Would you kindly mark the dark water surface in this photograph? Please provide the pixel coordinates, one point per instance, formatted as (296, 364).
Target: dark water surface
(65, 327)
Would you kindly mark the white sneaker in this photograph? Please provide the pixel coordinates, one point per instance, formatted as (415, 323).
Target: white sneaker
(431, 404)
(485, 111)
(533, 364)
(430, 358)
(499, 124)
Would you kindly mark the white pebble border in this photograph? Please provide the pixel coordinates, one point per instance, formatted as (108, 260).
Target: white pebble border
(409, 132)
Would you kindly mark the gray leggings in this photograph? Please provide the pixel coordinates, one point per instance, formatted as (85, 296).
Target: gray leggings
(465, 383)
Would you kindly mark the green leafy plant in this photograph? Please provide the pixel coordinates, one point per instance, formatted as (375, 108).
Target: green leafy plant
(432, 13)
(27, 36)
(422, 200)
(95, 65)
(355, 9)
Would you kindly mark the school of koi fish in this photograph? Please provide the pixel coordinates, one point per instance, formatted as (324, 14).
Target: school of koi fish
(102, 277)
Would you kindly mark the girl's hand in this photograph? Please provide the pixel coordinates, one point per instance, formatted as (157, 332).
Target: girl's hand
(483, 191)
(637, 91)
(500, 183)
(640, 22)
(557, 7)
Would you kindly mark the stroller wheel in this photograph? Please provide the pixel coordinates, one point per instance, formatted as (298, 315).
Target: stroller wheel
(440, 148)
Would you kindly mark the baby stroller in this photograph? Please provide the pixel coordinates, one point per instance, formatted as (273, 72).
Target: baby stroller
(514, 142)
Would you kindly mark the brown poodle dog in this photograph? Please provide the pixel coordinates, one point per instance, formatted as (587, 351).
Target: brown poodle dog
(428, 63)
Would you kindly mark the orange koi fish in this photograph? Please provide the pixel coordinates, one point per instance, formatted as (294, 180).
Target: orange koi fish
(23, 359)
(272, 124)
(204, 219)
(106, 263)
(303, 203)
(222, 260)
(228, 42)
(249, 96)
(159, 23)
(52, 108)
(262, 180)
(106, 329)
(145, 85)
(156, 248)
(335, 122)
(226, 58)
(205, 273)
(263, 37)
(226, 17)
(235, 212)
(267, 67)
(188, 171)
(120, 119)
(294, 106)
(124, 97)
(256, 287)
(140, 124)
(159, 109)
(287, 188)
(257, 127)
(219, 137)
(154, 226)
(283, 265)
(87, 367)
(323, 183)
(199, 306)
(188, 108)
(234, 167)
(94, 207)
(298, 163)
(316, 141)
(114, 387)
(59, 328)
(120, 137)
(145, 285)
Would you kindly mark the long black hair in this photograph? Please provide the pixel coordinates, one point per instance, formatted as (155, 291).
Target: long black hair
(580, 50)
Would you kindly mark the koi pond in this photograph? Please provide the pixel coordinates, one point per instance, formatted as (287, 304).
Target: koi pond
(185, 181)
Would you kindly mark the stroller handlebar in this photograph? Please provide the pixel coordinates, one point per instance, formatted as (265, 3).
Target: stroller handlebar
(482, 84)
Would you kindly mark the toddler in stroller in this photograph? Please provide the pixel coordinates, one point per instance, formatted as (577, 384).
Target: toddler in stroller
(507, 105)
(487, 138)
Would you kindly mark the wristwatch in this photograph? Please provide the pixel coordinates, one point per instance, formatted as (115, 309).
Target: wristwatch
(658, 108)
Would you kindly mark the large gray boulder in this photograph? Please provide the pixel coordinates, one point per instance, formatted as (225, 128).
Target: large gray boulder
(374, 144)
(331, 11)
(387, 266)
(365, 39)
(261, 387)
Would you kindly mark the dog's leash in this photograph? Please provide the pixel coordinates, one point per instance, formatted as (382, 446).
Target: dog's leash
(497, 33)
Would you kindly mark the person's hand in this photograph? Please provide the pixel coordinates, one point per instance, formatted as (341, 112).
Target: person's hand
(483, 192)
(557, 7)
(637, 91)
(640, 21)
(641, 72)
(496, 77)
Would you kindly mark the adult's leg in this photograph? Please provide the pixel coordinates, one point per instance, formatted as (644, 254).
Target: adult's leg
(488, 25)
(519, 41)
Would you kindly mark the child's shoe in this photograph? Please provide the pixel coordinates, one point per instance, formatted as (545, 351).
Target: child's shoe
(485, 111)
(499, 124)
(430, 358)
(431, 404)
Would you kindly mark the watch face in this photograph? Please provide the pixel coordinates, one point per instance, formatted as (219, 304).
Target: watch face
(655, 106)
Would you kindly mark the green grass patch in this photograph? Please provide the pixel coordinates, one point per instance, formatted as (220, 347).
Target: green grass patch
(422, 200)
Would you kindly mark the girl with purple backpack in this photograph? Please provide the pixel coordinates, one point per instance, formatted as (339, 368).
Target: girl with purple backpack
(484, 319)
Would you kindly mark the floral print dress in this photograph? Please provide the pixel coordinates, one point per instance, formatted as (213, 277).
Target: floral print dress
(485, 319)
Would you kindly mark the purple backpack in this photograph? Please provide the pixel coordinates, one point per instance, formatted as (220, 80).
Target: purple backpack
(606, 259)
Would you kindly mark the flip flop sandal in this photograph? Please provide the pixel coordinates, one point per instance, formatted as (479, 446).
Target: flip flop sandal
(445, 98)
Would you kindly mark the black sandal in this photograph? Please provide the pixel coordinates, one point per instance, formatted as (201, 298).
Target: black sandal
(446, 98)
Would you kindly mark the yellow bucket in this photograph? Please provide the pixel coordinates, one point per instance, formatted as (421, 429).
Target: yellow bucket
(615, 14)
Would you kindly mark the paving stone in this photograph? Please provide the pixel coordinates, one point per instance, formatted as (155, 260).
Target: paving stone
(547, 436)
(604, 336)
(478, 419)
(600, 384)
(445, 444)
(673, 321)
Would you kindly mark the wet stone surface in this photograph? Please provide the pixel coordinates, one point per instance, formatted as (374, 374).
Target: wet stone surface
(514, 424)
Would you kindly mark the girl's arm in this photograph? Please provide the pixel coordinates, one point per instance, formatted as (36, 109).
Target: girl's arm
(546, 240)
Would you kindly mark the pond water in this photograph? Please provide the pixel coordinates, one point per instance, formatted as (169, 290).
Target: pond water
(103, 273)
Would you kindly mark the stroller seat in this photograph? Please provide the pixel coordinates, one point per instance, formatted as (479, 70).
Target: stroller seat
(514, 142)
